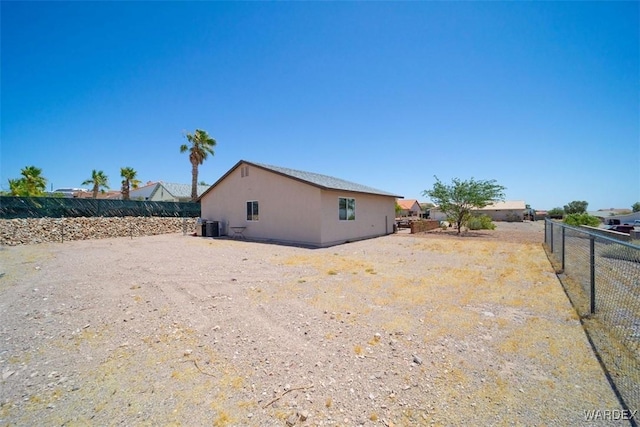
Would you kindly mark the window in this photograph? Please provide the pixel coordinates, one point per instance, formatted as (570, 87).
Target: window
(244, 171)
(252, 210)
(346, 209)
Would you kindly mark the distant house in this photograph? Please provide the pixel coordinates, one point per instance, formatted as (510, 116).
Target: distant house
(510, 210)
(409, 208)
(538, 215)
(165, 192)
(110, 194)
(610, 216)
(69, 192)
(272, 203)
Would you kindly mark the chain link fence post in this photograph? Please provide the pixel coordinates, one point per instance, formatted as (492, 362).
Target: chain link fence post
(592, 273)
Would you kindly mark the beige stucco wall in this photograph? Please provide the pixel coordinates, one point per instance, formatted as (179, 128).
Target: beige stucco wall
(294, 212)
(496, 215)
(289, 211)
(162, 195)
(502, 215)
(375, 216)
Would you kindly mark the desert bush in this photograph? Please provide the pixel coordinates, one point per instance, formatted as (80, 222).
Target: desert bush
(581, 219)
(513, 217)
(481, 222)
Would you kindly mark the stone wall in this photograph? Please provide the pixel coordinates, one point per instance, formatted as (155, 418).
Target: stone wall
(424, 225)
(38, 230)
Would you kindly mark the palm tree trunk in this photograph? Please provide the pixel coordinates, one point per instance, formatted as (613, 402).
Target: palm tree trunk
(125, 189)
(194, 181)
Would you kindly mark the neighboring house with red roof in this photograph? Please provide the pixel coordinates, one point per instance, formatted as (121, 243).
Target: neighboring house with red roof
(409, 208)
(272, 203)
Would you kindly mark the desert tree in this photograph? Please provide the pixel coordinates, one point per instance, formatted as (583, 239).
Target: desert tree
(129, 181)
(557, 213)
(576, 207)
(635, 207)
(98, 181)
(199, 147)
(459, 198)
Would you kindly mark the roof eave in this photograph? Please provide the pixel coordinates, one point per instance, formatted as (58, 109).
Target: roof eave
(313, 184)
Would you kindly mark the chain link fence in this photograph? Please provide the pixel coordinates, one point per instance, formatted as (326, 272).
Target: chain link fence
(601, 276)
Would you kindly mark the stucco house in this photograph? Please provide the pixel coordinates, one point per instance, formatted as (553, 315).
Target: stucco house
(509, 210)
(409, 208)
(165, 192)
(272, 203)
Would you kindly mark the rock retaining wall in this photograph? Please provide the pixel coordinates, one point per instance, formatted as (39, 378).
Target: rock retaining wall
(424, 225)
(39, 230)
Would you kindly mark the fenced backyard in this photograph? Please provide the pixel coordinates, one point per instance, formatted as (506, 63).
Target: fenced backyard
(601, 276)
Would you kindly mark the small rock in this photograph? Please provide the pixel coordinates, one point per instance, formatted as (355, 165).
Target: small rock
(7, 374)
(417, 360)
(188, 352)
(292, 420)
(304, 415)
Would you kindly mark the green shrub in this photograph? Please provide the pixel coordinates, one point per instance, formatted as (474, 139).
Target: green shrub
(556, 213)
(581, 219)
(482, 222)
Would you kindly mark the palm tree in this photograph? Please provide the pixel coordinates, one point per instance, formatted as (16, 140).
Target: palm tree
(129, 181)
(32, 183)
(201, 146)
(98, 179)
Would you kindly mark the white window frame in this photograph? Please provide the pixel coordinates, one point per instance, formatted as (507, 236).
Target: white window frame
(254, 215)
(348, 217)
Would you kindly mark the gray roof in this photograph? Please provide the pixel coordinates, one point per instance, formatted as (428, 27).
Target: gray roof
(324, 181)
(181, 190)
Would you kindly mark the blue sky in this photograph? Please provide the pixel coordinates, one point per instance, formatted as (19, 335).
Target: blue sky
(543, 97)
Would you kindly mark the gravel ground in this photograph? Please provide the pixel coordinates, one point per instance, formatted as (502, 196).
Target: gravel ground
(402, 330)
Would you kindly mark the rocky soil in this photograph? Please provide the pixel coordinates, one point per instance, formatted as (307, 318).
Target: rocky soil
(402, 330)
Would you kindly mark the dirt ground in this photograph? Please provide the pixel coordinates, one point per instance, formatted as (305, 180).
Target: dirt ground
(402, 330)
